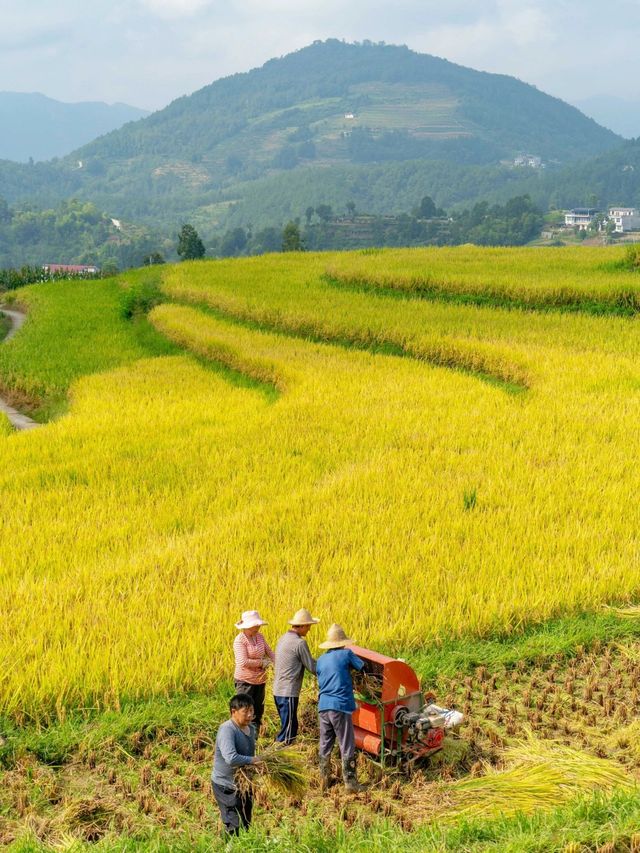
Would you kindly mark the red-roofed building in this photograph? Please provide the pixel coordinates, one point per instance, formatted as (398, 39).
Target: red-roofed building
(71, 269)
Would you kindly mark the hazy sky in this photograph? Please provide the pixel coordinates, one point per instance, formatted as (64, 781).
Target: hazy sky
(148, 52)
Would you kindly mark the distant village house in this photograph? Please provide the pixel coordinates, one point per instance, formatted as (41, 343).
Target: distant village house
(530, 160)
(70, 269)
(625, 219)
(580, 217)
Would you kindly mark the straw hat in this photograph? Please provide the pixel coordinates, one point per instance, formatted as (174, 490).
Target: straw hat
(336, 638)
(250, 618)
(303, 617)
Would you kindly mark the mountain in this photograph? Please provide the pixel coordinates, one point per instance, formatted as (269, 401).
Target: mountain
(265, 144)
(619, 114)
(40, 128)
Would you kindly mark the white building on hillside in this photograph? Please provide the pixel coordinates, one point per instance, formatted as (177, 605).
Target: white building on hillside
(625, 219)
(530, 160)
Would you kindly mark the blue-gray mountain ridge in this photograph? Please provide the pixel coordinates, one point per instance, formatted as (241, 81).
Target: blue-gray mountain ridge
(40, 128)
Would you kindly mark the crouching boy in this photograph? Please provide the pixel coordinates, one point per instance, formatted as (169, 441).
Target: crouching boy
(235, 747)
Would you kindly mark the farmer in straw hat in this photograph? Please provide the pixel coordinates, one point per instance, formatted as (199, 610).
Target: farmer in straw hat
(253, 656)
(292, 658)
(336, 704)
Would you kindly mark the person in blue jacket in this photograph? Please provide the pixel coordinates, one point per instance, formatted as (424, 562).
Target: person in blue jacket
(336, 703)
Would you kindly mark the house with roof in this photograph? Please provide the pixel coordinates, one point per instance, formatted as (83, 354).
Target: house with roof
(580, 217)
(625, 219)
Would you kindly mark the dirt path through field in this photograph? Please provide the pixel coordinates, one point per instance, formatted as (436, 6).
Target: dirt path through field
(18, 420)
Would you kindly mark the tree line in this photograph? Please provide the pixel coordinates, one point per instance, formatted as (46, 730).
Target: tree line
(77, 232)
(514, 223)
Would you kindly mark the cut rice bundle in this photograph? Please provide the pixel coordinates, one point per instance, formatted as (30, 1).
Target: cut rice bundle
(541, 776)
(630, 612)
(282, 768)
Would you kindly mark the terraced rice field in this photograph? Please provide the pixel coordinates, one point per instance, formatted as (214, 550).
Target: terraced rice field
(388, 448)
(436, 448)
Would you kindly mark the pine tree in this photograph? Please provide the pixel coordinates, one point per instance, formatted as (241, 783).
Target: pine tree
(190, 246)
(291, 238)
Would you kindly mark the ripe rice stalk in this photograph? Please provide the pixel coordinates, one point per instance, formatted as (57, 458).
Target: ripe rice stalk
(540, 776)
(367, 686)
(630, 612)
(127, 515)
(631, 653)
(282, 768)
(627, 739)
(578, 768)
(92, 816)
(490, 795)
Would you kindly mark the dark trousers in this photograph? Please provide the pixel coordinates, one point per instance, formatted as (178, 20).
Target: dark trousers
(235, 808)
(288, 710)
(256, 691)
(337, 725)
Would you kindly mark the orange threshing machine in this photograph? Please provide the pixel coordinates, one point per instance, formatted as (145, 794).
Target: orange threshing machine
(394, 721)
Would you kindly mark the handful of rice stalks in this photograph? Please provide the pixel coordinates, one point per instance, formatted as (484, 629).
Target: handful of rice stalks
(282, 768)
(542, 775)
(632, 611)
(367, 686)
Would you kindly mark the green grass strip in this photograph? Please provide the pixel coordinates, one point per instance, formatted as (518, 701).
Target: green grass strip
(536, 644)
(74, 328)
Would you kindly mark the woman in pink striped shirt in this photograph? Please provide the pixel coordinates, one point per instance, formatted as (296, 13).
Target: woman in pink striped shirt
(253, 655)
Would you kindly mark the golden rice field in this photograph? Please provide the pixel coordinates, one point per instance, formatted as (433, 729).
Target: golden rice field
(414, 468)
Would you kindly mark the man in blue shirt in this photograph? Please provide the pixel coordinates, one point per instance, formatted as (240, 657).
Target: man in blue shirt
(235, 747)
(335, 706)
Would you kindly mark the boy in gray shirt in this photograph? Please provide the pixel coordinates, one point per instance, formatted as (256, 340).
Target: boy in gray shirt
(292, 658)
(235, 747)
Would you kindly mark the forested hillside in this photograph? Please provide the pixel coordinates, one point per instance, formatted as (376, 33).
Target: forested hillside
(72, 233)
(359, 103)
(370, 123)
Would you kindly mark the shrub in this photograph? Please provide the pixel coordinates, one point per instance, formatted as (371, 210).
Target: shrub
(632, 257)
(140, 296)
